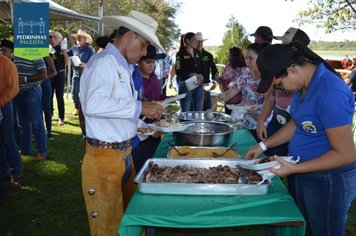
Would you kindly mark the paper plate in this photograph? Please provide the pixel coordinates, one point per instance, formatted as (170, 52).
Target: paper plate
(253, 164)
(239, 107)
(176, 128)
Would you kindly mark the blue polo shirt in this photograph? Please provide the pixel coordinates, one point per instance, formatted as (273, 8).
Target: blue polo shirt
(328, 103)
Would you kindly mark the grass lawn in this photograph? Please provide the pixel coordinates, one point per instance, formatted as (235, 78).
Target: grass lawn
(51, 202)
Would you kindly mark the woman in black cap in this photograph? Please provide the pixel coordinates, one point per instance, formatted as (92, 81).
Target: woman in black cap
(319, 133)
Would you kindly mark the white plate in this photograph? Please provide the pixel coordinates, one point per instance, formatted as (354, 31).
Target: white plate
(168, 101)
(239, 107)
(251, 164)
(191, 83)
(177, 128)
(146, 133)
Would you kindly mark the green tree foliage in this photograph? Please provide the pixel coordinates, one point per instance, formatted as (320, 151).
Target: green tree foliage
(235, 36)
(5, 31)
(329, 46)
(162, 11)
(332, 15)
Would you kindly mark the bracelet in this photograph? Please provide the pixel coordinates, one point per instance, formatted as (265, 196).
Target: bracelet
(262, 146)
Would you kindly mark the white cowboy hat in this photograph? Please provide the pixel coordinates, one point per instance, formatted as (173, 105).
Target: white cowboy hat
(138, 22)
(88, 38)
(199, 36)
(58, 36)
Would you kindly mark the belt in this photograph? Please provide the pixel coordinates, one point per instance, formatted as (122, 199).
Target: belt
(122, 146)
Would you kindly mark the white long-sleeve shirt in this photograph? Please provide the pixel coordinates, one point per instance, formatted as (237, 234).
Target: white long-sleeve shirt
(108, 97)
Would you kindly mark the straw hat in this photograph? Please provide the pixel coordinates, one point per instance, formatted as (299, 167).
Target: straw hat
(88, 38)
(199, 36)
(138, 22)
(58, 36)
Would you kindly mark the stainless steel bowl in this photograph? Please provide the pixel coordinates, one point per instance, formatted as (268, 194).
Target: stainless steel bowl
(199, 116)
(208, 133)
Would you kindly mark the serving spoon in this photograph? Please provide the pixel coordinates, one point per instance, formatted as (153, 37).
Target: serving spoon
(179, 153)
(215, 155)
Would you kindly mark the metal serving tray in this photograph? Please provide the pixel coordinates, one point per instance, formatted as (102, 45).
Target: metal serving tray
(196, 189)
(202, 152)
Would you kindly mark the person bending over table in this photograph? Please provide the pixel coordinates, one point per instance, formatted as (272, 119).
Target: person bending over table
(111, 110)
(319, 133)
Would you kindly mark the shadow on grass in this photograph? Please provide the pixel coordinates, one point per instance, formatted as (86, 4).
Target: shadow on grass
(50, 202)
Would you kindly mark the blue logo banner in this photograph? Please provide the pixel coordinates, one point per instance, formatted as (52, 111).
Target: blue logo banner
(31, 30)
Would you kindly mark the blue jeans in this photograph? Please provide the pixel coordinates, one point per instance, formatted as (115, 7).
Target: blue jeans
(29, 111)
(194, 97)
(3, 186)
(58, 83)
(324, 199)
(75, 91)
(9, 153)
(46, 104)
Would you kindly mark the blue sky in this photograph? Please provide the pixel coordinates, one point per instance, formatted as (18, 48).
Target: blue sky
(211, 16)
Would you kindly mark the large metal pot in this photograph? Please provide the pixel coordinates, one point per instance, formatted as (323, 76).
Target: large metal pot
(208, 133)
(199, 116)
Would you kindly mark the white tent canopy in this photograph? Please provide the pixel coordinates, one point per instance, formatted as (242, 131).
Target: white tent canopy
(56, 11)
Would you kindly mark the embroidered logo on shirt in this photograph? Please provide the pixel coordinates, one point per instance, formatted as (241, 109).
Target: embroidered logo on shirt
(309, 127)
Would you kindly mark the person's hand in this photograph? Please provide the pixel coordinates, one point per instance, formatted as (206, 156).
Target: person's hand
(286, 168)
(253, 108)
(253, 152)
(144, 130)
(152, 110)
(64, 45)
(82, 65)
(170, 84)
(222, 96)
(200, 78)
(157, 134)
(214, 85)
(261, 130)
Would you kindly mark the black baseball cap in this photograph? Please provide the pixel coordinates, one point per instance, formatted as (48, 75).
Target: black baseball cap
(152, 53)
(7, 43)
(263, 30)
(271, 61)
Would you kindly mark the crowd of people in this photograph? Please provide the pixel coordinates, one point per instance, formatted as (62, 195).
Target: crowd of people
(293, 93)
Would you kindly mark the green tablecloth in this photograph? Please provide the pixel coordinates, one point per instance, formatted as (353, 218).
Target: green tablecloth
(187, 211)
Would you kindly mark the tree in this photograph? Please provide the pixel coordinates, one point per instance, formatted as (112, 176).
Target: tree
(162, 11)
(332, 15)
(235, 36)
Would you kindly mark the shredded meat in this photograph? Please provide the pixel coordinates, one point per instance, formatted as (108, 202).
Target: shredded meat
(185, 174)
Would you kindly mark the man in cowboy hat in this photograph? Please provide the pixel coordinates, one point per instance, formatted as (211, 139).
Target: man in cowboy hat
(60, 59)
(111, 110)
(209, 67)
(84, 52)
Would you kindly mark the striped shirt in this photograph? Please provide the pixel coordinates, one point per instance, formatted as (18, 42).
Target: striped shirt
(28, 68)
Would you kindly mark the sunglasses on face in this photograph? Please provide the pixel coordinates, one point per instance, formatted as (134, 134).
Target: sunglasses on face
(52, 37)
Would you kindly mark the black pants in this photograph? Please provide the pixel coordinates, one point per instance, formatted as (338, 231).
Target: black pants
(144, 151)
(58, 83)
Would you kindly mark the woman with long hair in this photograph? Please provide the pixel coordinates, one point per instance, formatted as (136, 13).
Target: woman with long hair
(188, 64)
